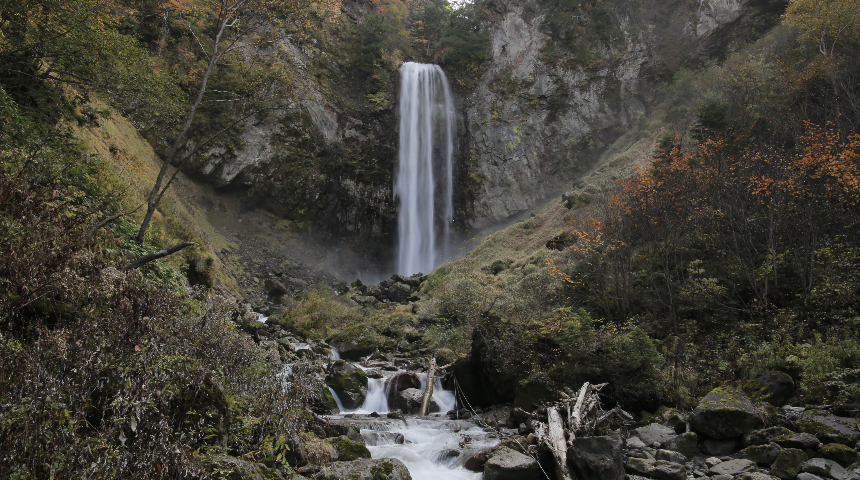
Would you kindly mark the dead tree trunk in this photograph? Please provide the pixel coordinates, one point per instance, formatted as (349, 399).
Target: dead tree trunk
(156, 255)
(428, 392)
(557, 445)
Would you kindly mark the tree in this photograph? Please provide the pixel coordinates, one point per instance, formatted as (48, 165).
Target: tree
(232, 37)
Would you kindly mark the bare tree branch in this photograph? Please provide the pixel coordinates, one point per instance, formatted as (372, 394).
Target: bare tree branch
(156, 255)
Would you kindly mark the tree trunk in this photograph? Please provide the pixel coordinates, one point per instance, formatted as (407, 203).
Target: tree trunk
(557, 444)
(156, 255)
(428, 392)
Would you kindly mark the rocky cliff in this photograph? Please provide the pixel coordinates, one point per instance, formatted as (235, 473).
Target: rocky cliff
(563, 80)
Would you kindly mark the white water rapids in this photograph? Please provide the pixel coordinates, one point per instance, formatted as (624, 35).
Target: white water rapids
(424, 179)
(434, 447)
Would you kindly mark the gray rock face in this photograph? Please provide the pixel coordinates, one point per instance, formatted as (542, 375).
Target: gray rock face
(366, 469)
(764, 436)
(374, 438)
(657, 469)
(409, 401)
(808, 476)
(733, 467)
(685, 444)
(399, 292)
(635, 442)
(654, 434)
(823, 468)
(399, 382)
(754, 476)
(725, 413)
(761, 454)
(597, 458)
(507, 464)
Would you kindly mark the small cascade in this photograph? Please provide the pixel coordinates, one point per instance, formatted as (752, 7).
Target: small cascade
(434, 447)
(424, 180)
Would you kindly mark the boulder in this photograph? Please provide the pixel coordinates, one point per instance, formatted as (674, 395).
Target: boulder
(399, 382)
(823, 468)
(655, 434)
(373, 438)
(774, 388)
(808, 476)
(507, 464)
(852, 472)
(347, 449)
(596, 458)
(325, 404)
(671, 456)
(232, 467)
(761, 454)
(719, 447)
(685, 444)
(409, 401)
(733, 467)
(636, 442)
(366, 469)
(755, 476)
(365, 300)
(841, 454)
(787, 463)
(764, 436)
(399, 292)
(349, 382)
(275, 288)
(477, 460)
(724, 413)
(828, 427)
(657, 469)
(797, 440)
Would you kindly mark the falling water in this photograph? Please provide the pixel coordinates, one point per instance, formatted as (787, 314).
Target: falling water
(424, 183)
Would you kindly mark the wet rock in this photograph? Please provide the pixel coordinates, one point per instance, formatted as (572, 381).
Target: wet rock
(374, 438)
(841, 454)
(808, 476)
(476, 461)
(396, 414)
(657, 469)
(764, 436)
(326, 404)
(374, 373)
(755, 476)
(725, 413)
(733, 467)
(685, 444)
(347, 449)
(823, 468)
(506, 464)
(399, 382)
(719, 447)
(597, 458)
(797, 440)
(772, 387)
(349, 382)
(446, 455)
(366, 469)
(409, 401)
(654, 434)
(761, 454)
(787, 464)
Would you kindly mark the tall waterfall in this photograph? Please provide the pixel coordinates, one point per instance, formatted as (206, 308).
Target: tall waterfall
(423, 182)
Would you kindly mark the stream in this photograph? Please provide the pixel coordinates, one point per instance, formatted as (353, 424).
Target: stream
(432, 447)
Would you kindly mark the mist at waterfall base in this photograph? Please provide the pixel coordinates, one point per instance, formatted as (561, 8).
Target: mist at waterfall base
(424, 184)
(428, 440)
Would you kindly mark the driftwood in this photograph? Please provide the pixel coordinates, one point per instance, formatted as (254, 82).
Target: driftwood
(583, 416)
(156, 255)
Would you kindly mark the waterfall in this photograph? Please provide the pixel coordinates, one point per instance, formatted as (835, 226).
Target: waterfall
(424, 182)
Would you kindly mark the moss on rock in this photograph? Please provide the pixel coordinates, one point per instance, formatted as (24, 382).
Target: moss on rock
(347, 450)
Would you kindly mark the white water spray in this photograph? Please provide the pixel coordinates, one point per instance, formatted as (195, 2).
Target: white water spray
(424, 179)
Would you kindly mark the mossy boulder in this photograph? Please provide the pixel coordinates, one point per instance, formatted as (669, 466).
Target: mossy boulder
(347, 450)
(828, 427)
(725, 413)
(325, 404)
(349, 382)
(366, 469)
(761, 454)
(764, 436)
(841, 454)
(802, 441)
(787, 463)
(772, 387)
(685, 444)
(232, 468)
